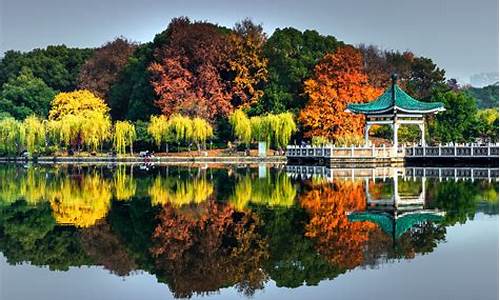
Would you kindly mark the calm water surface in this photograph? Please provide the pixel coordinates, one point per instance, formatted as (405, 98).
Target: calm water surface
(259, 232)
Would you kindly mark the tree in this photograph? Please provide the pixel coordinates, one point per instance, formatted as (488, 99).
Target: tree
(458, 122)
(158, 129)
(188, 71)
(132, 96)
(12, 136)
(338, 79)
(101, 70)
(34, 130)
(241, 125)
(57, 66)
(82, 118)
(202, 130)
(487, 126)
(123, 136)
(25, 95)
(292, 56)
(247, 62)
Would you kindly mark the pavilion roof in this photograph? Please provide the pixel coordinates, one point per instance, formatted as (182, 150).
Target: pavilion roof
(395, 99)
(402, 225)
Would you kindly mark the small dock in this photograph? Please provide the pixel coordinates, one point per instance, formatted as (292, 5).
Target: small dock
(389, 156)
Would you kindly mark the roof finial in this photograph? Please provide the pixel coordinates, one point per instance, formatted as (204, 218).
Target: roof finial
(394, 78)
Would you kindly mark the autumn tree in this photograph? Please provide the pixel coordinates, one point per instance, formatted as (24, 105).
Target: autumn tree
(291, 55)
(101, 70)
(338, 79)
(247, 62)
(82, 119)
(189, 71)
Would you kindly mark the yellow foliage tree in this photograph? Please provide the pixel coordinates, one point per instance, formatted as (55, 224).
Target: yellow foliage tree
(83, 119)
(124, 135)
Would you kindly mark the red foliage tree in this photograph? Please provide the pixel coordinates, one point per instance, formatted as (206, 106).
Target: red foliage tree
(190, 72)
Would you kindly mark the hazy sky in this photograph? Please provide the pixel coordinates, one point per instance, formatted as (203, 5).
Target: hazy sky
(459, 35)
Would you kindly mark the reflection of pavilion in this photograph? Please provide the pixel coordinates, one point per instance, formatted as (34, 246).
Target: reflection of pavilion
(398, 212)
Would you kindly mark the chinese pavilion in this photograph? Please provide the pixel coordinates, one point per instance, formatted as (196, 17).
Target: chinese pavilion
(395, 107)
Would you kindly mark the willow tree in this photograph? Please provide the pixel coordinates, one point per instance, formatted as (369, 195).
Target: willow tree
(12, 136)
(285, 128)
(124, 135)
(34, 130)
(201, 131)
(158, 129)
(242, 127)
(83, 119)
(181, 128)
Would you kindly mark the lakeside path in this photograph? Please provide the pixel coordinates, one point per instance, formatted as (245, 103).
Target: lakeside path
(137, 159)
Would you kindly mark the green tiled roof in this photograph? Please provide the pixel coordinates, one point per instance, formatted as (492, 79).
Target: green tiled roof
(398, 100)
(386, 222)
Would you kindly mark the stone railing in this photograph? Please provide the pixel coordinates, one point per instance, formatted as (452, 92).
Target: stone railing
(332, 151)
(453, 150)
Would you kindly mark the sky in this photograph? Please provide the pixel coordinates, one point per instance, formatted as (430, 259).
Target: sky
(461, 36)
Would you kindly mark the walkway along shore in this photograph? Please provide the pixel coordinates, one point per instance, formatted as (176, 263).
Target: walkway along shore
(157, 159)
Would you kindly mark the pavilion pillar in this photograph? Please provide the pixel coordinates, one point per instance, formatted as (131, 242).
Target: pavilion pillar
(422, 133)
(395, 127)
(367, 134)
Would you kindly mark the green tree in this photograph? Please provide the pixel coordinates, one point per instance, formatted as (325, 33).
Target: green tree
(458, 122)
(132, 96)
(25, 95)
(57, 66)
(292, 56)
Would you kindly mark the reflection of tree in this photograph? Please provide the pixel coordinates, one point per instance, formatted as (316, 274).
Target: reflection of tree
(274, 190)
(293, 260)
(180, 191)
(80, 202)
(134, 223)
(338, 239)
(124, 184)
(202, 249)
(458, 199)
(421, 239)
(28, 233)
(16, 183)
(105, 248)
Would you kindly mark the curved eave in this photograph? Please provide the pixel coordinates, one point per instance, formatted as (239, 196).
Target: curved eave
(392, 108)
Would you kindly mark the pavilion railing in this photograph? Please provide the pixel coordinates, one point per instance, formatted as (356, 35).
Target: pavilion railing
(446, 150)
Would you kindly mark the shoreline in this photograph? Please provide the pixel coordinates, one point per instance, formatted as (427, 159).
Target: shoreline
(135, 159)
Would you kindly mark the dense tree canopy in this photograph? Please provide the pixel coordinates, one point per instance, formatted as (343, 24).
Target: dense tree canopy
(25, 95)
(101, 70)
(292, 56)
(57, 66)
(458, 123)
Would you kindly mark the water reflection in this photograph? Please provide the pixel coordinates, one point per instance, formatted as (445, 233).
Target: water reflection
(200, 229)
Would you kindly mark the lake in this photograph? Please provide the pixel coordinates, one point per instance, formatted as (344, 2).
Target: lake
(246, 231)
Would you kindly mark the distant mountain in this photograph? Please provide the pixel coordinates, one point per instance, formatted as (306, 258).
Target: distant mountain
(484, 79)
(486, 97)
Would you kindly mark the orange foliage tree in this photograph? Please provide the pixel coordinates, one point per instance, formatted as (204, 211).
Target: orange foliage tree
(342, 242)
(248, 63)
(338, 80)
